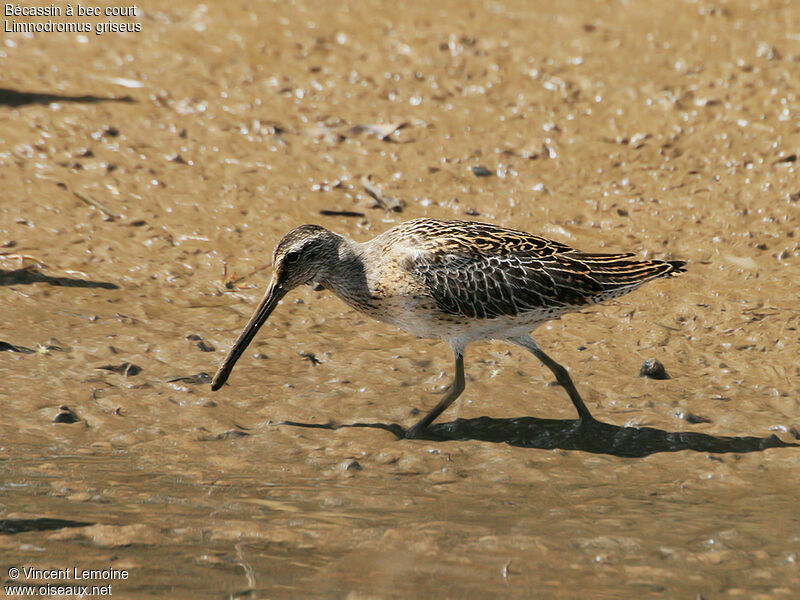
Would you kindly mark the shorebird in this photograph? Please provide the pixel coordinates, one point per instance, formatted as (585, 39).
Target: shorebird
(456, 281)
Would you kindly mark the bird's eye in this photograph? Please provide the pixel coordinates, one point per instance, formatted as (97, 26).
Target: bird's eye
(291, 257)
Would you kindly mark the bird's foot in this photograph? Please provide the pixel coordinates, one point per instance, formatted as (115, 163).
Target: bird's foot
(586, 421)
(414, 432)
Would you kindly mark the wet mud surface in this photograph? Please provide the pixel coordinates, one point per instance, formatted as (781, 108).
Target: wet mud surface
(146, 178)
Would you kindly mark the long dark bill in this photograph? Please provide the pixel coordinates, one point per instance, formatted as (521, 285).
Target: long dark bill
(267, 305)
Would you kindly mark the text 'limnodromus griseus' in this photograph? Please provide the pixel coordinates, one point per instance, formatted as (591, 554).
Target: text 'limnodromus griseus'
(457, 281)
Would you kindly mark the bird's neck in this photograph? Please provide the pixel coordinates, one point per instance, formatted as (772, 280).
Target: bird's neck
(347, 277)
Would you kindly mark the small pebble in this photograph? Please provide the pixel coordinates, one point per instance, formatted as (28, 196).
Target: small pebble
(695, 419)
(481, 171)
(66, 415)
(310, 357)
(653, 369)
(205, 347)
(351, 465)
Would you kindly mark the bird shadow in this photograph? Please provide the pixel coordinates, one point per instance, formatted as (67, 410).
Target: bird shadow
(14, 98)
(28, 275)
(14, 526)
(588, 436)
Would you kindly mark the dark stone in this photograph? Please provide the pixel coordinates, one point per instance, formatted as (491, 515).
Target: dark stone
(653, 369)
(66, 415)
(695, 419)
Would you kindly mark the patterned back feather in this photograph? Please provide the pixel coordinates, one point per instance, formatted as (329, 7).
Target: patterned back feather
(482, 271)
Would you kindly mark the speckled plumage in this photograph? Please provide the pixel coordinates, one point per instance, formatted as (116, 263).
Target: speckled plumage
(481, 271)
(453, 280)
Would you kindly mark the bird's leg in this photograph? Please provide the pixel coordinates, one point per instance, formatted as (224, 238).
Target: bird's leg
(527, 342)
(452, 392)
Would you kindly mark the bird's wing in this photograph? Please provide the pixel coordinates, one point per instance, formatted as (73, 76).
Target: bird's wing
(479, 270)
(486, 285)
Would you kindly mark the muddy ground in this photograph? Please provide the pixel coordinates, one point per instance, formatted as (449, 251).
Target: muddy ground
(146, 177)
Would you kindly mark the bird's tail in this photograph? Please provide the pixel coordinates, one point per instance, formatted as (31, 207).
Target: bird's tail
(606, 276)
(678, 266)
(626, 269)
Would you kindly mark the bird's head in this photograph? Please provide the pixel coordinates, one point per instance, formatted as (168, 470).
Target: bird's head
(303, 256)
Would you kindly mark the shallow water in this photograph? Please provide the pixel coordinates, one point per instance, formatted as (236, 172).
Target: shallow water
(143, 172)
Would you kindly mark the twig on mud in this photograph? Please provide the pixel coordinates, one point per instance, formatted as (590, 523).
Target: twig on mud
(382, 200)
(95, 204)
(231, 281)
